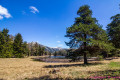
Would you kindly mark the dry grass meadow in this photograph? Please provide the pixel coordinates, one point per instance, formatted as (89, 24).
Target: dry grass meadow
(27, 69)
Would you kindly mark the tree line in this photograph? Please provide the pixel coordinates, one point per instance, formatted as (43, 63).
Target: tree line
(60, 53)
(15, 47)
(87, 38)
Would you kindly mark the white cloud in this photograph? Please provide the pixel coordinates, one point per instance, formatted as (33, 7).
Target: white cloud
(34, 9)
(58, 41)
(4, 13)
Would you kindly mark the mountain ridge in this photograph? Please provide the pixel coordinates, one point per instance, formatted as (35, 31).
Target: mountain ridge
(52, 49)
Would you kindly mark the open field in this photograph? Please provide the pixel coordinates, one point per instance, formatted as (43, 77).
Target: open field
(28, 69)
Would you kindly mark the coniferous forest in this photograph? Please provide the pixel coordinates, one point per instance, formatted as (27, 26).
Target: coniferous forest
(15, 47)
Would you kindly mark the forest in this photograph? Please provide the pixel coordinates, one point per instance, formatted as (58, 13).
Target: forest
(15, 47)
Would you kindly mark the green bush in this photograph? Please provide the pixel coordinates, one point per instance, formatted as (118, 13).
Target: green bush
(100, 58)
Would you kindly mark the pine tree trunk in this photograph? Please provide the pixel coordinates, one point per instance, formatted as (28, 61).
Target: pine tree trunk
(107, 55)
(85, 58)
(85, 54)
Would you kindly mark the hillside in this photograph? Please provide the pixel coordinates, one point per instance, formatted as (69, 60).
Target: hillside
(52, 50)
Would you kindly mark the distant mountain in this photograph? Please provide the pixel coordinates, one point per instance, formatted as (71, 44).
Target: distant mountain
(52, 50)
(49, 49)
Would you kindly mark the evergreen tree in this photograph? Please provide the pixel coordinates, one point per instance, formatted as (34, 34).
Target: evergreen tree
(39, 51)
(18, 46)
(113, 30)
(25, 49)
(43, 50)
(85, 31)
(36, 49)
(55, 53)
(2, 42)
(5, 44)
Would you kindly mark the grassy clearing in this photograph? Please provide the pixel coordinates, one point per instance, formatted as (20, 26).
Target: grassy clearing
(27, 69)
(114, 64)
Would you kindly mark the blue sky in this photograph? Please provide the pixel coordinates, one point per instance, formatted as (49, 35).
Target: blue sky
(45, 21)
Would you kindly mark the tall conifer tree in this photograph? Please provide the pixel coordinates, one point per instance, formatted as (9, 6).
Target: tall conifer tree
(114, 30)
(6, 49)
(85, 31)
(18, 46)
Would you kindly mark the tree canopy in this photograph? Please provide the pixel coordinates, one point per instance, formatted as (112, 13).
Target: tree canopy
(113, 30)
(85, 31)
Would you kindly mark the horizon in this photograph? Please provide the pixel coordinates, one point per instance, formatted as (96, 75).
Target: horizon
(45, 21)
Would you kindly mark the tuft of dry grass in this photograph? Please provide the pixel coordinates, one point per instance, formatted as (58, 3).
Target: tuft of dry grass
(27, 69)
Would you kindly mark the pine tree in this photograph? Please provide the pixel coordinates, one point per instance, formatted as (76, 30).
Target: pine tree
(55, 53)
(36, 45)
(25, 49)
(39, 51)
(18, 46)
(2, 42)
(113, 30)
(5, 44)
(85, 31)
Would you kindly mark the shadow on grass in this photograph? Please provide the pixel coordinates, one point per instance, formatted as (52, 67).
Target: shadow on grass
(102, 76)
(107, 74)
(38, 59)
(71, 65)
(112, 73)
(49, 78)
(33, 59)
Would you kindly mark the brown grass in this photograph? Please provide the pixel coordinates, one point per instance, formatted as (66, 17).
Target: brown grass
(26, 68)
